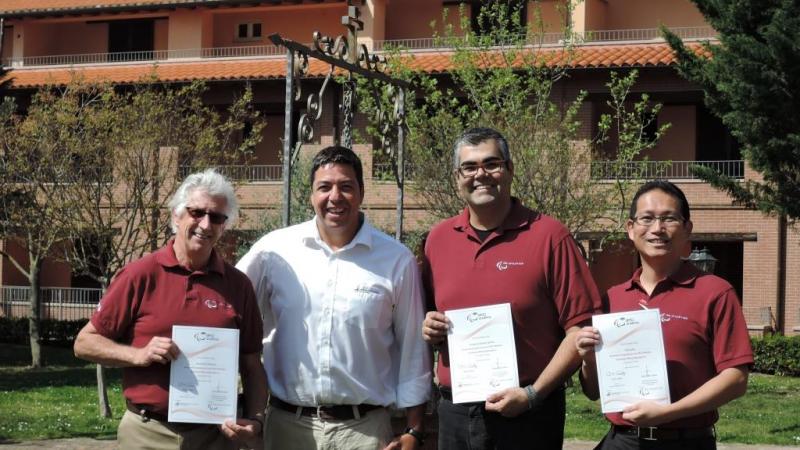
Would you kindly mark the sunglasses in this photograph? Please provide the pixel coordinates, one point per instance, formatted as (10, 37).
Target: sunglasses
(213, 217)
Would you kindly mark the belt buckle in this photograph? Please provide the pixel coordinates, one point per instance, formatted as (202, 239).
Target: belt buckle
(647, 436)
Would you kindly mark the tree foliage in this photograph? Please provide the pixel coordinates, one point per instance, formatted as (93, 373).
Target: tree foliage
(503, 79)
(92, 167)
(751, 78)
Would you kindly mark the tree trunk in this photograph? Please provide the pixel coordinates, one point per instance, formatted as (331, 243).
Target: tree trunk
(102, 390)
(102, 393)
(35, 314)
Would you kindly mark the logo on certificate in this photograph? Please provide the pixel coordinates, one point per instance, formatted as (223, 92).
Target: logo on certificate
(625, 322)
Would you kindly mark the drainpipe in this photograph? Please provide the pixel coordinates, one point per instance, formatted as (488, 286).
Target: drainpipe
(780, 306)
(2, 26)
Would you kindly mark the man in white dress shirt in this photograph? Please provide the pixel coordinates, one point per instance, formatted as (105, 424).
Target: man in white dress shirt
(342, 304)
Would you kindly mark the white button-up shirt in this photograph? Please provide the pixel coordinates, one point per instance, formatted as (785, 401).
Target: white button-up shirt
(340, 327)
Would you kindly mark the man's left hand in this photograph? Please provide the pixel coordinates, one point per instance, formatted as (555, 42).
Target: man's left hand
(646, 413)
(510, 402)
(403, 442)
(244, 431)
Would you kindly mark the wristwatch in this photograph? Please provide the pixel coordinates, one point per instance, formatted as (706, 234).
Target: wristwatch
(418, 435)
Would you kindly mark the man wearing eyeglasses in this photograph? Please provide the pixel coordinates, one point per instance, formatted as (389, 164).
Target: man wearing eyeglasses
(705, 336)
(498, 251)
(184, 283)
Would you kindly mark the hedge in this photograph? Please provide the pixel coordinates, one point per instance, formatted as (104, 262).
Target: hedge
(779, 355)
(52, 332)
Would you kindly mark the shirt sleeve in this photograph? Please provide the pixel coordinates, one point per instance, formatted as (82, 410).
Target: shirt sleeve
(254, 264)
(731, 341)
(252, 327)
(412, 357)
(575, 295)
(116, 311)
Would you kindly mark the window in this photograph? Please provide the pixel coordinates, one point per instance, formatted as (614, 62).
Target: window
(248, 31)
(131, 40)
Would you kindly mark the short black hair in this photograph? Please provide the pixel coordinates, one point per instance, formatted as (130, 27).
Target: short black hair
(479, 135)
(668, 188)
(336, 154)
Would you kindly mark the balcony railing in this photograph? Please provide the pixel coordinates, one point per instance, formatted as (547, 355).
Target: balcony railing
(57, 303)
(252, 51)
(556, 39)
(674, 170)
(245, 173)
(262, 51)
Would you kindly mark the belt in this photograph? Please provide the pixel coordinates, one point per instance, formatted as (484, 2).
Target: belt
(144, 413)
(665, 434)
(332, 412)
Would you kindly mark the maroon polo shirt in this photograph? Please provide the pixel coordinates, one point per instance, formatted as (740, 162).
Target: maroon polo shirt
(704, 331)
(530, 261)
(152, 294)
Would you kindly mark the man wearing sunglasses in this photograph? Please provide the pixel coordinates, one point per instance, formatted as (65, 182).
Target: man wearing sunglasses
(498, 251)
(342, 304)
(184, 283)
(705, 336)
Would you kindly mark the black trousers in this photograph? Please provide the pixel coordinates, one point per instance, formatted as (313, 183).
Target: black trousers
(471, 427)
(618, 441)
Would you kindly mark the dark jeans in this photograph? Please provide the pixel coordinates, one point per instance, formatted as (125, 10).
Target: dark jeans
(471, 427)
(617, 441)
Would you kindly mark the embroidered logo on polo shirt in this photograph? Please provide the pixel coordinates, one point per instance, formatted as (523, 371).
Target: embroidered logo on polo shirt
(211, 304)
(504, 265)
(667, 317)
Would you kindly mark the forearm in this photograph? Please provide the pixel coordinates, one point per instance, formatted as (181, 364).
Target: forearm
(102, 350)
(589, 383)
(727, 385)
(560, 367)
(415, 416)
(254, 385)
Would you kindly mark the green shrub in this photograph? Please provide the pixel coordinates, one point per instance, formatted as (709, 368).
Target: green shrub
(52, 332)
(779, 355)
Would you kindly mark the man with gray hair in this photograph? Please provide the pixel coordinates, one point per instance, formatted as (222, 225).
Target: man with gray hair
(498, 251)
(186, 282)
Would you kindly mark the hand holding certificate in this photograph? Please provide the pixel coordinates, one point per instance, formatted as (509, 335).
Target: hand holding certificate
(483, 357)
(203, 379)
(631, 363)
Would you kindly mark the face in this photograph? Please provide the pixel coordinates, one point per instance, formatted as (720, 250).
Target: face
(198, 236)
(484, 189)
(668, 241)
(336, 198)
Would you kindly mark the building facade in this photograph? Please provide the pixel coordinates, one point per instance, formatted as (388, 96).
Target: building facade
(225, 44)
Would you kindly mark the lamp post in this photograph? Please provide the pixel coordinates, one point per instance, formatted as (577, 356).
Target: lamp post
(703, 260)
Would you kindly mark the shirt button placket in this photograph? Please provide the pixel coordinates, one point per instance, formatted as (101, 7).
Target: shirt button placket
(327, 329)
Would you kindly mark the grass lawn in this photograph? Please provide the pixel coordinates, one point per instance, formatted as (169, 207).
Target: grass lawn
(768, 414)
(60, 401)
(57, 401)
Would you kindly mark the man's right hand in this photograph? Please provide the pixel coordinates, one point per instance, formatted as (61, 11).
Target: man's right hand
(434, 328)
(585, 342)
(159, 350)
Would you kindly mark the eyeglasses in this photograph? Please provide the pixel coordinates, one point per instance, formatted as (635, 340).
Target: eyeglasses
(468, 170)
(213, 217)
(667, 221)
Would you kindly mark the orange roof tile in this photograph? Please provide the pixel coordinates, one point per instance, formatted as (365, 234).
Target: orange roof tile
(596, 56)
(23, 7)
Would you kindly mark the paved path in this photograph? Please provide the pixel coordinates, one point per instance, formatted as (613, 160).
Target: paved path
(93, 444)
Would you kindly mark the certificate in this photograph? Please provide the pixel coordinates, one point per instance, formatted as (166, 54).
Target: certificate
(203, 383)
(631, 363)
(483, 358)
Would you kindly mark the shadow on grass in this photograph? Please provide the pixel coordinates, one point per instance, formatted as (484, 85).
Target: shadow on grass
(61, 369)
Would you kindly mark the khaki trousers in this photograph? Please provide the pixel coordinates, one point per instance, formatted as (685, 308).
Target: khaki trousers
(136, 434)
(287, 431)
